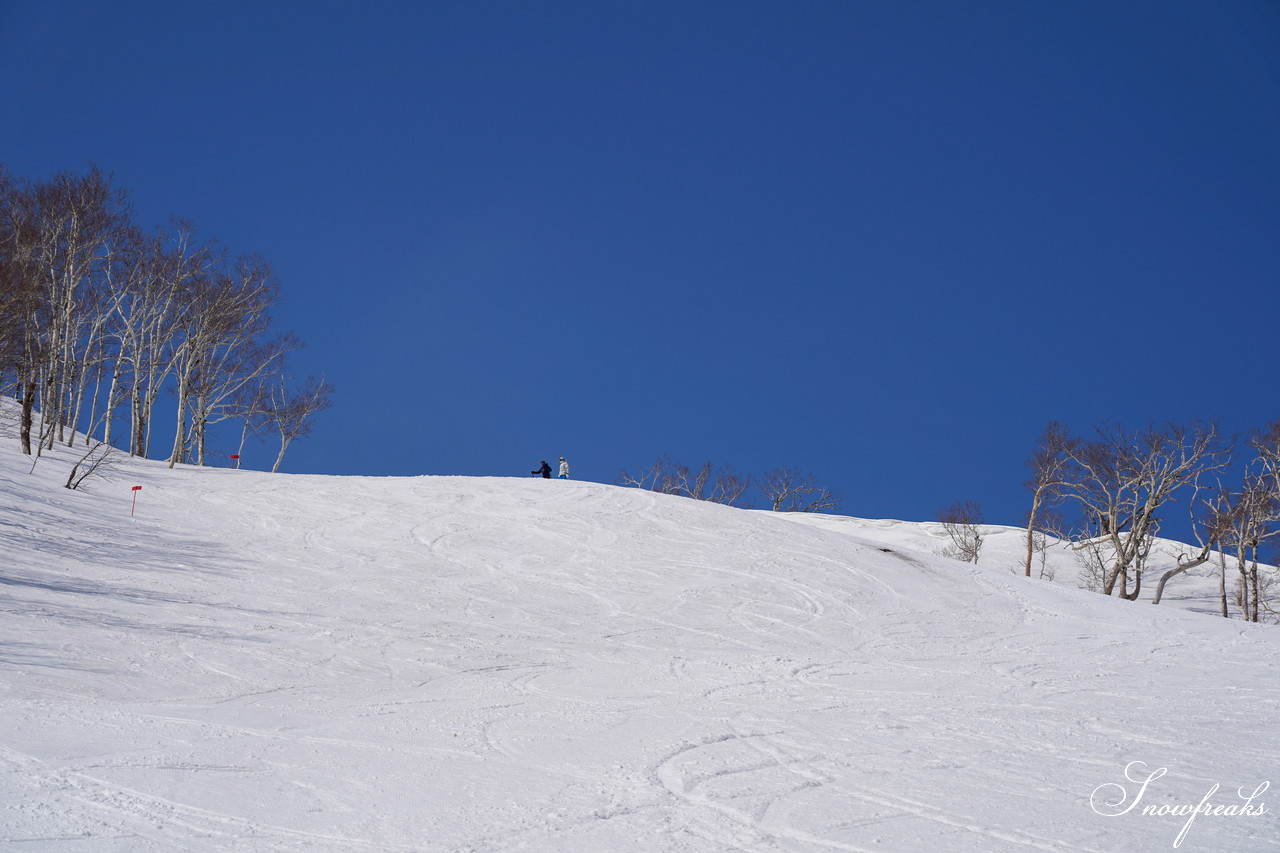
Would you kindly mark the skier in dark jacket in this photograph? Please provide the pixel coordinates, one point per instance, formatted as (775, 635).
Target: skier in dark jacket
(545, 470)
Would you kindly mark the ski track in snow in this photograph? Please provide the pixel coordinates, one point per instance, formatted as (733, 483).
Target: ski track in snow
(277, 663)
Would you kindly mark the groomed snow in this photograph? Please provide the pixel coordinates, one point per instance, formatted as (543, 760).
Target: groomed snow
(260, 662)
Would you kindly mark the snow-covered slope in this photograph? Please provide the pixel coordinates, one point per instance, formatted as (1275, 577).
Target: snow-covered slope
(301, 663)
(1006, 548)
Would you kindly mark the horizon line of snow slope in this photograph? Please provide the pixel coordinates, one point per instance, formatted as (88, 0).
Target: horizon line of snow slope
(286, 662)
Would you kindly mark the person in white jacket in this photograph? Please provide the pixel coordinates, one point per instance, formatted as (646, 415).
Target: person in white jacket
(564, 469)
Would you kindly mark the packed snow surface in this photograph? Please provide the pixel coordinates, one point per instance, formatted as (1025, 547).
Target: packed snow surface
(257, 662)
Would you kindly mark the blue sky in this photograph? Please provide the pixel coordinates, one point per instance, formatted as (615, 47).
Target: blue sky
(883, 242)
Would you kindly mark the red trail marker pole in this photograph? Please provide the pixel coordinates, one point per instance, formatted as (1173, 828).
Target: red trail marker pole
(236, 457)
(135, 491)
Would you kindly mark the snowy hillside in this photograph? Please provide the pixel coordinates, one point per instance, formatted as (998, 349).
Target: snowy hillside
(262, 662)
(1006, 548)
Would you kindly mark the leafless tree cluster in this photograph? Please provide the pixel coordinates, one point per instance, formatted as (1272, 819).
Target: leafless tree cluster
(789, 490)
(1239, 521)
(718, 485)
(962, 522)
(786, 489)
(98, 318)
(1118, 486)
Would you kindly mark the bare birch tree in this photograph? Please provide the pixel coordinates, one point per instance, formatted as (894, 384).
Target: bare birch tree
(1122, 481)
(962, 522)
(1248, 519)
(290, 412)
(722, 485)
(226, 388)
(1253, 520)
(727, 486)
(224, 313)
(163, 280)
(75, 217)
(789, 490)
(95, 315)
(654, 477)
(1049, 463)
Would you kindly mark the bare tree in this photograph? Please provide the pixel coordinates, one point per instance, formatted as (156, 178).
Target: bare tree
(169, 266)
(1222, 582)
(24, 309)
(132, 271)
(727, 486)
(1120, 483)
(962, 522)
(1049, 464)
(658, 476)
(1041, 542)
(96, 310)
(12, 314)
(290, 411)
(12, 279)
(253, 409)
(1250, 520)
(722, 485)
(76, 217)
(690, 483)
(789, 490)
(96, 462)
(56, 244)
(1208, 524)
(227, 386)
(1094, 559)
(227, 313)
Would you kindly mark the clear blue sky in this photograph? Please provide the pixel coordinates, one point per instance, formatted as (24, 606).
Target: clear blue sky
(882, 241)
